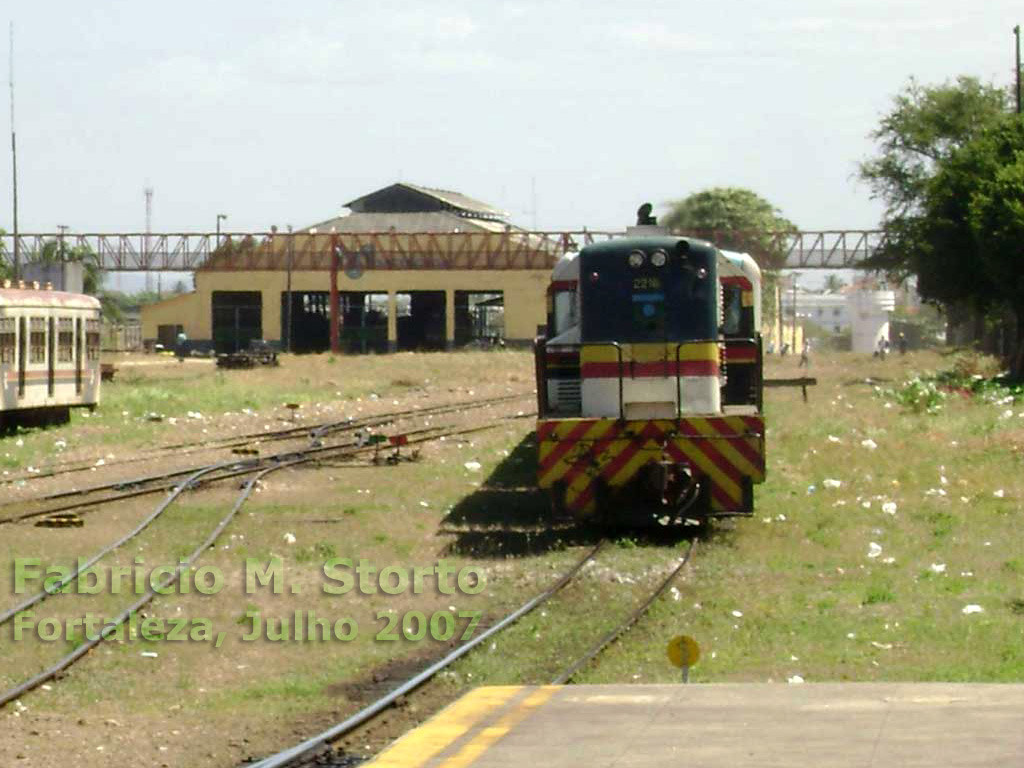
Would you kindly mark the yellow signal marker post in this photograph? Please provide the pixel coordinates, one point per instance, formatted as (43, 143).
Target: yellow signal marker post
(683, 652)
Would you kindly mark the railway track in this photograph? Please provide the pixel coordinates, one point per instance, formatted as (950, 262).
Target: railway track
(123, 489)
(257, 469)
(318, 429)
(317, 751)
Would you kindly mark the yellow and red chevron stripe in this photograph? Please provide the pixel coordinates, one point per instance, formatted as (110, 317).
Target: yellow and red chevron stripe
(598, 361)
(579, 455)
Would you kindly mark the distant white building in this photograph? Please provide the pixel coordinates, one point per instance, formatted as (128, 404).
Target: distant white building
(869, 312)
(859, 308)
(829, 310)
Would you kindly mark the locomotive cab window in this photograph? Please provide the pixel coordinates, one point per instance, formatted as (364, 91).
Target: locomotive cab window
(37, 340)
(732, 309)
(565, 314)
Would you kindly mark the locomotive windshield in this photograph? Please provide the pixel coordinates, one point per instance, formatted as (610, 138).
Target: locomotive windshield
(628, 297)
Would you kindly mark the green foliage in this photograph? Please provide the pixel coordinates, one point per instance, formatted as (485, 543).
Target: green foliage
(925, 126)
(834, 283)
(951, 172)
(919, 395)
(55, 251)
(927, 393)
(878, 593)
(736, 218)
(117, 304)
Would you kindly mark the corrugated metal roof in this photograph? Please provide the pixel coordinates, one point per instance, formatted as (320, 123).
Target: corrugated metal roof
(460, 201)
(435, 221)
(464, 204)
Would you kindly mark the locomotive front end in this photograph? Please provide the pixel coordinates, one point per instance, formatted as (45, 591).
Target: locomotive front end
(648, 438)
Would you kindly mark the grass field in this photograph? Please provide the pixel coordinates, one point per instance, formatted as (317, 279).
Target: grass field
(889, 509)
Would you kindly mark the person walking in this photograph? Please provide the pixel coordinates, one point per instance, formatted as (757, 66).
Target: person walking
(805, 355)
(179, 348)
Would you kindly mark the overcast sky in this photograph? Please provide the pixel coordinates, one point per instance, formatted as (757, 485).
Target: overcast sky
(279, 113)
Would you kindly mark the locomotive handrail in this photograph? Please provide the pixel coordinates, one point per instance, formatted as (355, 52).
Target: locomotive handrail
(578, 345)
(618, 354)
(723, 340)
(720, 340)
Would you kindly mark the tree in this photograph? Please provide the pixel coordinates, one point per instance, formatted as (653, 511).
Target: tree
(56, 251)
(989, 174)
(926, 125)
(736, 219)
(968, 230)
(834, 283)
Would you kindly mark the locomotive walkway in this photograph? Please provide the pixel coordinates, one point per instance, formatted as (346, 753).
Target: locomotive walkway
(722, 726)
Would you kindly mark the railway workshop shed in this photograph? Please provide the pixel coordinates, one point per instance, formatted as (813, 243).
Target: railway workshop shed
(410, 268)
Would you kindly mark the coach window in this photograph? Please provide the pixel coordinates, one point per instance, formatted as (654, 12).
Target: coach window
(92, 339)
(7, 337)
(65, 340)
(37, 340)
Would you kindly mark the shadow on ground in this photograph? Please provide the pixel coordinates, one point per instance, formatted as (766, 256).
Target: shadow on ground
(510, 517)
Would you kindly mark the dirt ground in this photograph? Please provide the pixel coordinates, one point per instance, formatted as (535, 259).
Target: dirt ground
(170, 703)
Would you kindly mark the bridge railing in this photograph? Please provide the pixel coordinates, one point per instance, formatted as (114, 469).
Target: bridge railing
(311, 250)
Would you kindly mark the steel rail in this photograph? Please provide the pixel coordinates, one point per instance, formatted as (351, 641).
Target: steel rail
(295, 459)
(315, 430)
(50, 672)
(145, 523)
(285, 757)
(345, 426)
(632, 619)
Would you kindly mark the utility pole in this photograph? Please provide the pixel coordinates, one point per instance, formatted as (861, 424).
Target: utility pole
(62, 229)
(795, 276)
(1017, 34)
(288, 288)
(14, 166)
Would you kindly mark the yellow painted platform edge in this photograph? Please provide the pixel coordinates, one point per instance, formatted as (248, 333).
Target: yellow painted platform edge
(432, 737)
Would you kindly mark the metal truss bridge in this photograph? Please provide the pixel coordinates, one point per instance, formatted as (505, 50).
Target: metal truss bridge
(310, 250)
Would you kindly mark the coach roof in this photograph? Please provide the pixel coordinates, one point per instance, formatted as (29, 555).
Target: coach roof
(34, 298)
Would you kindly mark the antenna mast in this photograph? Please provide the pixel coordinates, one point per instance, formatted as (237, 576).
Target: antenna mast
(14, 165)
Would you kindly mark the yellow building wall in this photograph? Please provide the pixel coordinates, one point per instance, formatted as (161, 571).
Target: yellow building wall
(186, 310)
(524, 296)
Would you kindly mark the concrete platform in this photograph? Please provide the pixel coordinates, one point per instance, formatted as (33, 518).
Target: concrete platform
(722, 725)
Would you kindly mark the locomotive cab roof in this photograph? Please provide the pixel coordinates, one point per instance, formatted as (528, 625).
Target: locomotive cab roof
(672, 244)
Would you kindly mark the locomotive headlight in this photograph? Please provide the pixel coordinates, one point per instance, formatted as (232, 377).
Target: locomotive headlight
(636, 259)
(658, 258)
(701, 273)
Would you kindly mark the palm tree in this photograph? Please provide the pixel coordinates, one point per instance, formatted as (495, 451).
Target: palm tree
(56, 252)
(833, 283)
